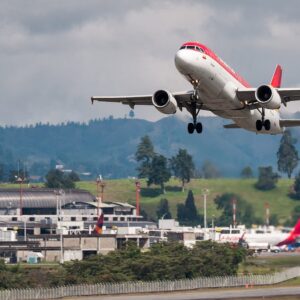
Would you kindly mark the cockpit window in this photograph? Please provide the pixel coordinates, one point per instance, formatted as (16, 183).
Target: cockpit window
(199, 49)
(192, 48)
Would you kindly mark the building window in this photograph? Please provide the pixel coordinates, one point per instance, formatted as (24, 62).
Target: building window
(115, 218)
(105, 219)
(31, 219)
(73, 218)
(14, 219)
(122, 219)
(84, 218)
(95, 218)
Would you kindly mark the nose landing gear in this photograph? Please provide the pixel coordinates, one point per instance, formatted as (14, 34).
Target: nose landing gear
(194, 112)
(263, 123)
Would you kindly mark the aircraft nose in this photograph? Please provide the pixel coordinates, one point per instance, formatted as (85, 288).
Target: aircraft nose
(181, 60)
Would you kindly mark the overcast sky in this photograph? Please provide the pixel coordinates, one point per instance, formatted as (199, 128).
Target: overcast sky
(55, 54)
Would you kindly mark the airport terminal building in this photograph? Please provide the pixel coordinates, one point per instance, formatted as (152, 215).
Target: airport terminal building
(59, 225)
(49, 205)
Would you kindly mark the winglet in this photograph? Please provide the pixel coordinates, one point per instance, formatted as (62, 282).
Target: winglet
(276, 79)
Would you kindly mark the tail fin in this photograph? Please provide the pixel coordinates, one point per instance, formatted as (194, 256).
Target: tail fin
(276, 79)
(292, 236)
(99, 225)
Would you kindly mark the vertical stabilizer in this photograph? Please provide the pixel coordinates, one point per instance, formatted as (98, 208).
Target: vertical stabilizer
(276, 79)
(99, 225)
(292, 236)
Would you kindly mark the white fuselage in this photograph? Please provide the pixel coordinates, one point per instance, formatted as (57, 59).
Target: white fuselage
(217, 88)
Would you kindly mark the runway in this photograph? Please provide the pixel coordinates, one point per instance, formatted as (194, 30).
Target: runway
(207, 294)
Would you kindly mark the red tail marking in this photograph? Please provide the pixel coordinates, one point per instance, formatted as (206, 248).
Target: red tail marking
(276, 79)
(99, 225)
(292, 236)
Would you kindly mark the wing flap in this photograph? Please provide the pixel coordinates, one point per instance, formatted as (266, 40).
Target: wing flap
(231, 126)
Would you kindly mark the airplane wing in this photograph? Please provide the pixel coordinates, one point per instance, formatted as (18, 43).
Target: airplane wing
(286, 94)
(181, 97)
(289, 123)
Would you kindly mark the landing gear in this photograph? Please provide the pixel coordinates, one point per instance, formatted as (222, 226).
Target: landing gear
(194, 112)
(194, 126)
(263, 123)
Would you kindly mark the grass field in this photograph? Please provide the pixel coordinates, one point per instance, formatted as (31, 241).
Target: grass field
(123, 190)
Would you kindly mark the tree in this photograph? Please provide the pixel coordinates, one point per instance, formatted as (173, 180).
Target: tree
(163, 211)
(274, 220)
(144, 155)
(15, 174)
(247, 172)
(183, 166)
(159, 172)
(244, 210)
(287, 154)
(74, 176)
(187, 213)
(209, 170)
(296, 188)
(266, 179)
(57, 179)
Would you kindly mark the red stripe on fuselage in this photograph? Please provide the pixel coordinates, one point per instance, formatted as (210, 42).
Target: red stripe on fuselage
(213, 56)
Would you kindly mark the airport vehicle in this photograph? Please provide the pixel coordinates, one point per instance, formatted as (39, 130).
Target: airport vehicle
(219, 89)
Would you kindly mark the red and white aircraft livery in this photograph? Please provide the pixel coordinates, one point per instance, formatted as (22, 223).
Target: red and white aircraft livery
(219, 89)
(275, 238)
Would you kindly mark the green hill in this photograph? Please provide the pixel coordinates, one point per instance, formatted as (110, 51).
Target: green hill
(123, 190)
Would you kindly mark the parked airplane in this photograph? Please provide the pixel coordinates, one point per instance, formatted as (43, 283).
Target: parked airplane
(260, 238)
(275, 238)
(219, 89)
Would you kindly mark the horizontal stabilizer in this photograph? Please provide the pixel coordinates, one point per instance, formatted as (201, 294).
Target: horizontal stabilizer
(289, 123)
(231, 126)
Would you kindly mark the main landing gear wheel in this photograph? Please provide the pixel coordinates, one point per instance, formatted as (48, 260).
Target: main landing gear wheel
(192, 127)
(263, 123)
(260, 124)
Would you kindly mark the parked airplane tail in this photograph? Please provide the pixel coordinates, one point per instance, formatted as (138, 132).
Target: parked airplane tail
(99, 225)
(292, 236)
(276, 79)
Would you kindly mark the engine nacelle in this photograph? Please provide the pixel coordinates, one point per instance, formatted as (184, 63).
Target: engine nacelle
(268, 97)
(164, 102)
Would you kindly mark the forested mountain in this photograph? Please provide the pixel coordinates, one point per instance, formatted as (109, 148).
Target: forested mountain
(107, 146)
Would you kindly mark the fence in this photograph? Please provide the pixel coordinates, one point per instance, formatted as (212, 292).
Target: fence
(150, 286)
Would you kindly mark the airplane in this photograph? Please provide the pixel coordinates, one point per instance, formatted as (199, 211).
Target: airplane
(261, 238)
(276, 238)
(219, 89)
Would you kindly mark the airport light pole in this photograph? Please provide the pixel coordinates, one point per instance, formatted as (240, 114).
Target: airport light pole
(98, 180)
(267, 207)
(20, 181)
(137, 196)
(59, 194)
(234, 212)
(205, 193)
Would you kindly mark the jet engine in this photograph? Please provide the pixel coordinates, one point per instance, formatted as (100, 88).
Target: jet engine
(268, 97)
(164, 102)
